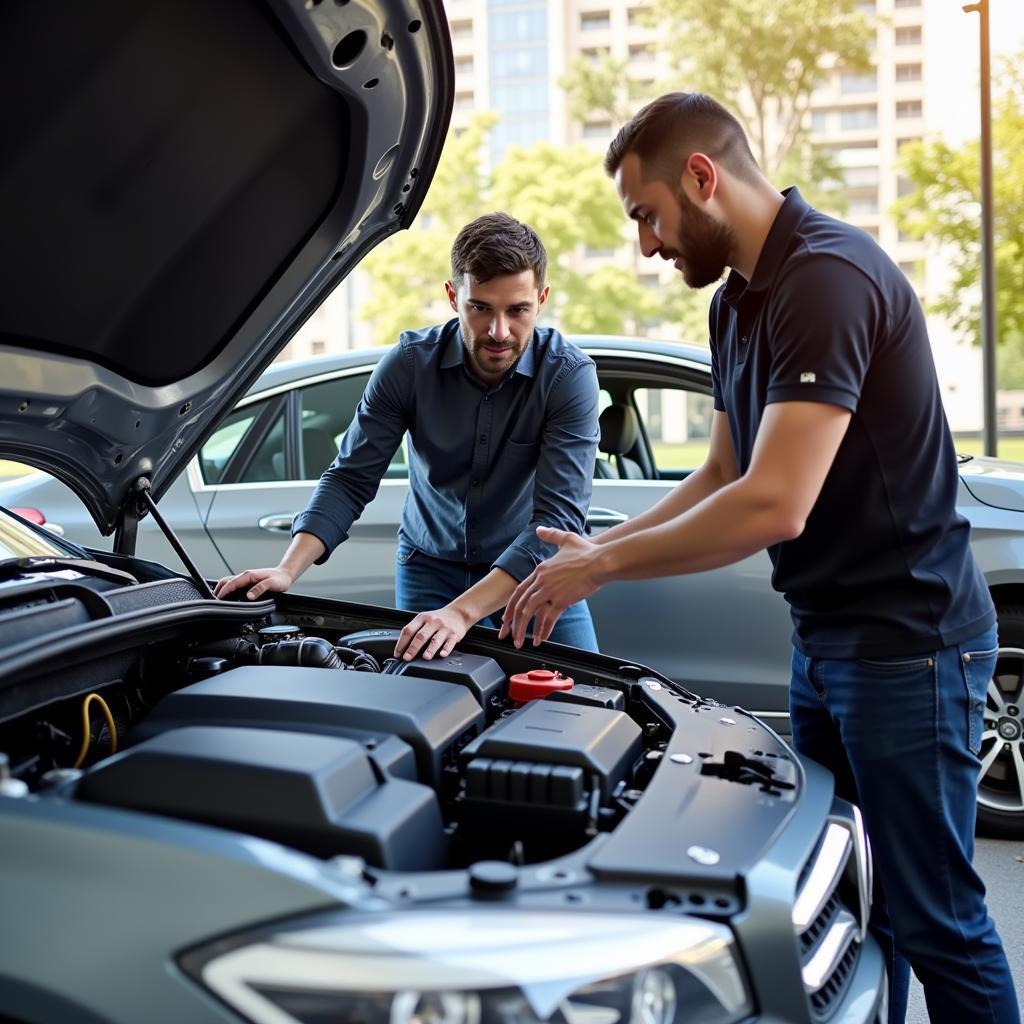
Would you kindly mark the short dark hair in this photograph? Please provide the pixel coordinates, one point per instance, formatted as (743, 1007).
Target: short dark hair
(664, 133)
(497, 244)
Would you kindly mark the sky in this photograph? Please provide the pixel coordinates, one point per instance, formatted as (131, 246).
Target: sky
(954, 36)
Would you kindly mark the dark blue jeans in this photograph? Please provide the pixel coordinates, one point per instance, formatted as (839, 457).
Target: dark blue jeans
(424, 583)
(902, 736)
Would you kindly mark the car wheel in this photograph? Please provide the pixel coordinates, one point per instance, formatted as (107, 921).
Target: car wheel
(1001, 781)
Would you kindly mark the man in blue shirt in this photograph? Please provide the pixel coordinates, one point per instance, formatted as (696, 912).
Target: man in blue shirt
(830, 448)
(502, 423)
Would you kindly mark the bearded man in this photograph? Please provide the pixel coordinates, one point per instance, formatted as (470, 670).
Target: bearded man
(830, 448)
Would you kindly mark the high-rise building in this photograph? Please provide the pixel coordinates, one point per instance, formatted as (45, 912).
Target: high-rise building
(510, 54)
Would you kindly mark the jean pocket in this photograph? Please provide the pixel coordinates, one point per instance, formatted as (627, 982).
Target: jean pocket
(897, 665)
(978, 668)
(405, 554)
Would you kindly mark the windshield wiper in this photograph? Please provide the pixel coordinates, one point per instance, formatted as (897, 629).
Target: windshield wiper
(11, 567)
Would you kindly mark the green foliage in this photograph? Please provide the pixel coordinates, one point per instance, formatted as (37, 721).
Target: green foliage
(944, 207)
(814, 171)
(562, 193)
(602, 86)
(764, 58)
(761, 58)
(1010, 363)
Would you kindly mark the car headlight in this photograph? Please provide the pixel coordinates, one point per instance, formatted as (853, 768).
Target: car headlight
(480, 967)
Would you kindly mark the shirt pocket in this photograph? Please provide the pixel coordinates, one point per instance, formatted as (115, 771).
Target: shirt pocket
(521, 451)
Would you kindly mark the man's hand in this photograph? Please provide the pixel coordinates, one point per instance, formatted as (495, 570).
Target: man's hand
(440, 631)
(560, 581)
(260, 582)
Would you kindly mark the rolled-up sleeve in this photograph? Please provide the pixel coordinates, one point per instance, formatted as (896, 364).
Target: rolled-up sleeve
(369, 444)
(565, 469)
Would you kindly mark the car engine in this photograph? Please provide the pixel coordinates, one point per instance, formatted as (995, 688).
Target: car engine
(317, 738)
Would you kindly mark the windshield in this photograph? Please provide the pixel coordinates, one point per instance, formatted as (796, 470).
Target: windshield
(19, 540)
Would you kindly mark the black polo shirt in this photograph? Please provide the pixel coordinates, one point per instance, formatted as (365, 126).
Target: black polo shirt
(883, 566)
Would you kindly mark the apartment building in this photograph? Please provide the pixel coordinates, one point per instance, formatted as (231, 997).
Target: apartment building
(510, 54)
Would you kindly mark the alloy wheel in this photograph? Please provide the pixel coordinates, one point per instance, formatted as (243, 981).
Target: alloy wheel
(1001, 778)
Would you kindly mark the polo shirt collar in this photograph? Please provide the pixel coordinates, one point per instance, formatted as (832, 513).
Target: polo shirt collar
(792, 212)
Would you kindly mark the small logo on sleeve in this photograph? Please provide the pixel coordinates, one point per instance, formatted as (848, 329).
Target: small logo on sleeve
(807, 378)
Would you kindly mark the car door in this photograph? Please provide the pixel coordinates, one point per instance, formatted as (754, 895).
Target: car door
(262, 466)
(726, 633)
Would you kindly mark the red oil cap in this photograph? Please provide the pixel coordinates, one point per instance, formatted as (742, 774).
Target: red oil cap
(536, 683)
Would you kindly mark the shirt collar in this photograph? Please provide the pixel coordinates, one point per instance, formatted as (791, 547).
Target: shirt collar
(792, 212)
(455, 353)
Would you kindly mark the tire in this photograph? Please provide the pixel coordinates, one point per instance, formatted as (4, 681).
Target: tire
(1001, 783)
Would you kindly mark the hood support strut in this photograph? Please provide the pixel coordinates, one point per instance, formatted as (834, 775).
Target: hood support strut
(138, 503)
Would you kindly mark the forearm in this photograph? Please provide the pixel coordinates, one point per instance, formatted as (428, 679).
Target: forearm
(700, 484)
(732, 523)
(486, 597)
(303, 551)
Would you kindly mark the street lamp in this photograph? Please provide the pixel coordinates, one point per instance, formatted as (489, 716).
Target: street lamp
(988, 265)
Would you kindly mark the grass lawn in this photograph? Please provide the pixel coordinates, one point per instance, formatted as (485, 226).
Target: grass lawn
(691, 454)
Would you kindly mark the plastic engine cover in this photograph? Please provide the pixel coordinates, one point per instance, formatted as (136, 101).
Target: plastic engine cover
(315, 793)
(434, 718)
(546, 734)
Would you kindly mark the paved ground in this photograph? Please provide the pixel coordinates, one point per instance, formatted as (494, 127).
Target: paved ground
(1001, 864)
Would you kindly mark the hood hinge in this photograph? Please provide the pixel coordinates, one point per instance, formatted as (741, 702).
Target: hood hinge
(136, 505)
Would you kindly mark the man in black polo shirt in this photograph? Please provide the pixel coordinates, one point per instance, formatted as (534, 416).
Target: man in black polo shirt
(829, 447)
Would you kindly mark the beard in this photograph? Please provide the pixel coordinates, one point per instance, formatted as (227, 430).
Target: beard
(488, 364)
(704, 246)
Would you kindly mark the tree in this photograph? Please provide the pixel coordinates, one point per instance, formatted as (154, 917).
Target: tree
(761, 58)
(943, 206)
(562, 193)
(764, 58)
(602, 86)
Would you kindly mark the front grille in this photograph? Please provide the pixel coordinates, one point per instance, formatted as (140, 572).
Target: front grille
(826, 997)
(828, 918)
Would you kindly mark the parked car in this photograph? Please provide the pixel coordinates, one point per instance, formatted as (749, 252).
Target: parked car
(218, 811)
(724, 633)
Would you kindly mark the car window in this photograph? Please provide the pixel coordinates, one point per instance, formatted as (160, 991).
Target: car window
(266, 464)
(604, 399)
(678, 425)
(326, 412)
(216, 453)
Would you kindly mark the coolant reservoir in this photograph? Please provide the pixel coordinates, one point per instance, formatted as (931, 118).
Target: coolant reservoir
(536, 683)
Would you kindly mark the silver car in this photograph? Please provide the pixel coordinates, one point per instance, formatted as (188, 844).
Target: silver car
(725, 633)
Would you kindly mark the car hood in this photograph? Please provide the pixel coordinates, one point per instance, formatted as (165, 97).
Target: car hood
(181, 185)
(995, 482)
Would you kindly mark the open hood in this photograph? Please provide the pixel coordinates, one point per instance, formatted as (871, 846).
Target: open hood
(181, 184)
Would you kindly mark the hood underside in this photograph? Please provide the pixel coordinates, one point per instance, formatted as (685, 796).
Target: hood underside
(181, 185)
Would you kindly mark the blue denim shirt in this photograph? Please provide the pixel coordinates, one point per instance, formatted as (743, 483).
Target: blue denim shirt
(487, 464)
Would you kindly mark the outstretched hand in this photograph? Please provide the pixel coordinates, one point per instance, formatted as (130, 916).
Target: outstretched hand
(560, 581)
(432, 633)
(259, 582)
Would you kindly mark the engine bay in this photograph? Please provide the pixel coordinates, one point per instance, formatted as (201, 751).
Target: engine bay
(297, 728)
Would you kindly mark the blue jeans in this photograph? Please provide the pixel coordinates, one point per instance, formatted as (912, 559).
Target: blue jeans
(902, 736)
(424, 583)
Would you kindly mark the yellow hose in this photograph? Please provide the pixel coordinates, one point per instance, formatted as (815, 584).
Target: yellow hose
(87, 730)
